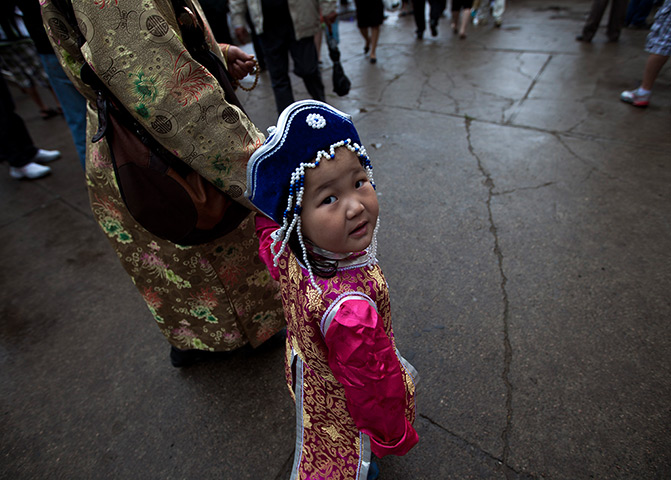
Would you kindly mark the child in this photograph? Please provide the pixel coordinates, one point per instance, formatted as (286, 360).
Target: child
(354, 393)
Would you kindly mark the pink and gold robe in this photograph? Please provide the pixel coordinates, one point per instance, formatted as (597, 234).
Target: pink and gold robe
(354, 392)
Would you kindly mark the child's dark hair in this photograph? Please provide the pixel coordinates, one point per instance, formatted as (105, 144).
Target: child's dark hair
(322, 267)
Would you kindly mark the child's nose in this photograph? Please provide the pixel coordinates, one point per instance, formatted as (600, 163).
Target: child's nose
(354, 207)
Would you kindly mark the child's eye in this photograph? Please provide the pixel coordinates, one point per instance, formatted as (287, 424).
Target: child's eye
(328, 200)
(360, 183)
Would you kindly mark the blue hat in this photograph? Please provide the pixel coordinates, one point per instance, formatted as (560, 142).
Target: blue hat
(307, 132)
(304, 129)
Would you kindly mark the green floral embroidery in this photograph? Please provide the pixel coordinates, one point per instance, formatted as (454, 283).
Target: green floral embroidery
(145, 86)
(204, 313)
(263, 317)
(259, 279)
(142, 110)
(222, 165)
(113, 228)
(198, 343)
(157, 317)
(176, 279)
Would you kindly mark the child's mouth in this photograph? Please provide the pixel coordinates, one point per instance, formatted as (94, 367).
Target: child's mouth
(360, 230)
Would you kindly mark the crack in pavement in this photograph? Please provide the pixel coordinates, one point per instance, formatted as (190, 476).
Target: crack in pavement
(507, 348)
(531, 86)
(477, 449)
(536, 187)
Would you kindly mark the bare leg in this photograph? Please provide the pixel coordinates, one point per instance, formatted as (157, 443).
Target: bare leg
(653, 66)
(364, 34)
(455, 20)
(55, 98)
(465, 16)
(35, 97)
(374, 36)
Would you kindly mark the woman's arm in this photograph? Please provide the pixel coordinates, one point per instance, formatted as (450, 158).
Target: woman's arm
(139, 53)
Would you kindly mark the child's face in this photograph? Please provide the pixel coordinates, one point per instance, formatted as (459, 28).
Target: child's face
(339, 204)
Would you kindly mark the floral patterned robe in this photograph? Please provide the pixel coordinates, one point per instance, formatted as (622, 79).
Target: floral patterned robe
(217, 296)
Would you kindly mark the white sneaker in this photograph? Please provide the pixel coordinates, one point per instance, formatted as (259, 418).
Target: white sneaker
(31, 171)
(46, 156)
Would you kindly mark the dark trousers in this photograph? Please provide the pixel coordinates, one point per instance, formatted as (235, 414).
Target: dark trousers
(638, 12)
(278, 42)
(16, 145)
(618, 10)
(436, 9)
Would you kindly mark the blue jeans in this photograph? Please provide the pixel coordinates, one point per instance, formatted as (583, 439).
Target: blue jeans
(638, 12)
(72, 102)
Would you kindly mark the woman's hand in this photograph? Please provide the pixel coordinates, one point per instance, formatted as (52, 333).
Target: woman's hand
(240, 64)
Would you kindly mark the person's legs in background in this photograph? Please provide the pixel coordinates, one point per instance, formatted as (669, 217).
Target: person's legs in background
(72, 103)
(497, 12)
(275, 45)
(304, 55)
(16, 144)
(593, 20)
(374, 36)
(437, 8)
(419, 11)
(640, 97)
(658, 44)
(618, 11)
(638, 13)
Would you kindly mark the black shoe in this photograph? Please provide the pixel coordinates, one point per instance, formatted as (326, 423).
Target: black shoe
(433, 24)
(582, 38)
(420, 35)
(185, 358)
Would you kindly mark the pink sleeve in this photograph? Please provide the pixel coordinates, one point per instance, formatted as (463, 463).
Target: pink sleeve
(264, 227)
(364, 360)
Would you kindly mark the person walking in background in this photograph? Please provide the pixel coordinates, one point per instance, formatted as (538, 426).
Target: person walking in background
(461, 16)
(637, 13)
(658, 45)
(216, 12)
(618, 10)
(16, 144)
(72, 102)
(354, 393)
(206, 298)
(19, 61)
(287, 29)
(482, 8)
(369, 17)
(436, 9)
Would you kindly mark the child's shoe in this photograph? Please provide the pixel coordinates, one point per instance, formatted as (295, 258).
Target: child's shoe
(635, 98)
(373, 471)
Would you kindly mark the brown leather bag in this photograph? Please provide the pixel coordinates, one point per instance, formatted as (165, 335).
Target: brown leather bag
(163, 194)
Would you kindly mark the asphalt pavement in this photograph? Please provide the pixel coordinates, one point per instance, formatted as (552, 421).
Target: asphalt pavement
(524, 233)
